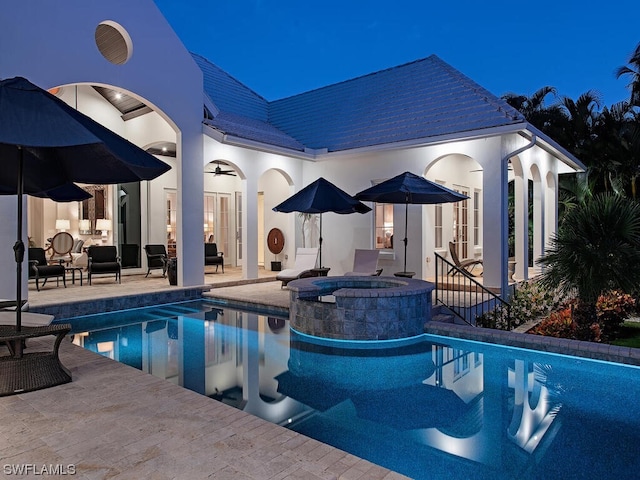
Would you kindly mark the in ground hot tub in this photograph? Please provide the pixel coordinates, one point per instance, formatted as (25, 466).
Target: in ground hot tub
(365, 308)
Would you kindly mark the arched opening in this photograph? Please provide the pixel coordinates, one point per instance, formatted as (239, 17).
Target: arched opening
(551, 208)
(222, 222)
(536, 216)
(459, 222)
(273, 188)
(125, 215)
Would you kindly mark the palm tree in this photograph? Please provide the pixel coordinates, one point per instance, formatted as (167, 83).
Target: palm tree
(573, 190)
(548, 118)
(618, 134)
(632, 69)
(596, 249)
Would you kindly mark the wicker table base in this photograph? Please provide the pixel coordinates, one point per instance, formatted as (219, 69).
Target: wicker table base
(24, 372)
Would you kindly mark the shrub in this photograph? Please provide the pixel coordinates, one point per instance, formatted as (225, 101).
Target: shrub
(529, 302)
(558, 324)
(612, 308)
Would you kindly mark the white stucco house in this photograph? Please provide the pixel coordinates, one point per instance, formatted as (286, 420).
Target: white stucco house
(121, 63)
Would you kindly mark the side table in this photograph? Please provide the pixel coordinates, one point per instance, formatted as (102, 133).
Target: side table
(73, 273)
(320, 272)
(404, 274)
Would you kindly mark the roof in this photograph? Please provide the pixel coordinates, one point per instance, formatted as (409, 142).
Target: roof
(418, 100)
(229, 94)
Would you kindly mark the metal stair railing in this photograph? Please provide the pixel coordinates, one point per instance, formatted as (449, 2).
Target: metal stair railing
(465, 297)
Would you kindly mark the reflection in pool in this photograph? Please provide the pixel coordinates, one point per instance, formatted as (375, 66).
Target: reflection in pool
(430, 407)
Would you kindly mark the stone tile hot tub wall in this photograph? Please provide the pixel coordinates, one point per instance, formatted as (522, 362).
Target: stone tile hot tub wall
(365, 308)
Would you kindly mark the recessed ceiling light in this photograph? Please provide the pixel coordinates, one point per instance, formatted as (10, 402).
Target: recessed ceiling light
(164, 149)
(118, 96)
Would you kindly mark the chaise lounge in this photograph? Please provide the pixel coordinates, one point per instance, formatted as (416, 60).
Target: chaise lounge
(467, 264)
(306, 259)
(365, 263)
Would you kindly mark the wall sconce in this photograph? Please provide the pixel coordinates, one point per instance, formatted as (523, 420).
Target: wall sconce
(63, 225)
(84, 226)
(104, 226)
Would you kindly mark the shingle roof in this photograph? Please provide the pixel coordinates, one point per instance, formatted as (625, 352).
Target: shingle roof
(252, 129)
(243, 113)
(418, 100)
(421, 99)
(229, 94)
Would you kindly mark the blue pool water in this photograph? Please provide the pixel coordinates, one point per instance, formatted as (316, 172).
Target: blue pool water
(431, 407)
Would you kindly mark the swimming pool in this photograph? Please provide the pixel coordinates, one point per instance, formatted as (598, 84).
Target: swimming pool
(430, 407)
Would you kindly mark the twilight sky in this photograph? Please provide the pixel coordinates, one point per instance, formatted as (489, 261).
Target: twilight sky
(280, 48)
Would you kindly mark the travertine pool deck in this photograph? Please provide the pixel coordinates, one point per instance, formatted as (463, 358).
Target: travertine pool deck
(116, 422)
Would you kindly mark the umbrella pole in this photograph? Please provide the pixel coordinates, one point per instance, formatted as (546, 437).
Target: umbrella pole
(320, 241)
(406, 219)
(18, 250)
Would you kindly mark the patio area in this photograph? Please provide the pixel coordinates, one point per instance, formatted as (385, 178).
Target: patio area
(106, 286)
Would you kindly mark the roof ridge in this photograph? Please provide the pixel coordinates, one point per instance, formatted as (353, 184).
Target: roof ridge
(353, 79)
(228, 75)
(488, 97)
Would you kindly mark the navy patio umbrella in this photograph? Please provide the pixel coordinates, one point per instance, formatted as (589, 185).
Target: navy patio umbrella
(409, 188)
(45, 145)
(319, 197)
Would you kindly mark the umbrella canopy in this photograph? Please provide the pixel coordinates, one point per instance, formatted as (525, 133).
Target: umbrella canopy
(46, 144)
(69, 192)
(409, 188)
(319, 197)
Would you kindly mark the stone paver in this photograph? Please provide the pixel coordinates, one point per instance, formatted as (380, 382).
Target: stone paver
(113, 421)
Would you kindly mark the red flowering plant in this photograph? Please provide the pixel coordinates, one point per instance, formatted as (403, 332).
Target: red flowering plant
(612, 308)
(558, 324)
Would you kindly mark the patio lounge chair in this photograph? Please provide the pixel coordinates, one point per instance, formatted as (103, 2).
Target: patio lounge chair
(306, 259)
(212, 256)
(157, 258)
(467, 265)
(39, 268)
(365, 263)
(103, 259)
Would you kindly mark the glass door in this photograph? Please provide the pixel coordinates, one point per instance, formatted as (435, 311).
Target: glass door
(238, 228)
(461, 224)
(223, 223)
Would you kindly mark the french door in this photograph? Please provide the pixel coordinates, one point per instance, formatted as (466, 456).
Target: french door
(461, 224)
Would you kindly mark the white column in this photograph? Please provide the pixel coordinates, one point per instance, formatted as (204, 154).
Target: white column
(190, 245)
(250, 227)
(521, 200)
(495, 223)
(539, 234)
(551, 208)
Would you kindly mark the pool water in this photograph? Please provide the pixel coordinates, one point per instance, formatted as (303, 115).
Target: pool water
(429, 407)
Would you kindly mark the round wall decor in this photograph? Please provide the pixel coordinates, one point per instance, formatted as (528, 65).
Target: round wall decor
(275, 240)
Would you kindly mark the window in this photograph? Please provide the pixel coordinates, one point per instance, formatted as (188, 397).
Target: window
(438, 226)
(209, 217)
(438, 222)
(383, 213)
(172, 210)
(476, 217)
(223, 223)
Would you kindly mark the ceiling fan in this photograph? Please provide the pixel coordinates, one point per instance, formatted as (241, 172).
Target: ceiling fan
(218, 171)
